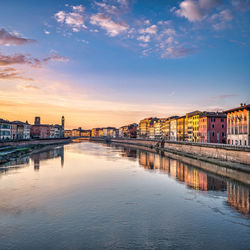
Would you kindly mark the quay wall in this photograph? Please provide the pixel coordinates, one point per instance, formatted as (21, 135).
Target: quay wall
(210, 152)
(35, 142)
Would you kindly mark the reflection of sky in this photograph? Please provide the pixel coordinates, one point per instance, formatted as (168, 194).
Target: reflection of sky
(118, 61)
(94, 201)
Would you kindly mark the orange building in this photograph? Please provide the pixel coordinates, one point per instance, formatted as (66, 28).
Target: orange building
(238, 125)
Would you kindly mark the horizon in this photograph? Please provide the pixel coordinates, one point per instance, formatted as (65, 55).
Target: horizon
(113, 63)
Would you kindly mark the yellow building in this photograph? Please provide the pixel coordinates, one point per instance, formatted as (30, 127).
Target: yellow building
(192, 122)
(67, 133)
(144, 125)
(166, 129)
(181, 128)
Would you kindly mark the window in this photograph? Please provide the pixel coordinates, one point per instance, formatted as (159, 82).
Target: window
(213, 134)
(222, 134)
(212, 125)
(245, 142)
(222, 119)
(232, 142)
(222, 125)
(240, 142)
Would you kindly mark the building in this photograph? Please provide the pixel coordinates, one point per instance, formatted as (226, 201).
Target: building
(95, 132)
(76, 132)
(21, 130)
(173, 129)
(144, 126)
(42, 131)
(67, 133)
(128, 131)
(181, 128)
(166, 129)
(192, 123)
(213, 127)
(238, 125)
(85, 133)
(5, 130)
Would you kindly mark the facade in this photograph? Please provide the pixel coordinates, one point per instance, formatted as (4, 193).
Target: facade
(95, 132)
(86, 133)
(67, 133)
(166, 129)
(181, 128)
(213, 127)
(173, 129)
(144, 125)
(129, 131)
(22, 130)
(238, 125)
(192, 122)
(39, 131)
(42, 131)
(5, 130)
(13, 131)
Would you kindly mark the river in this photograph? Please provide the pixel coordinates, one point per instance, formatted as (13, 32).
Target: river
(98, 196)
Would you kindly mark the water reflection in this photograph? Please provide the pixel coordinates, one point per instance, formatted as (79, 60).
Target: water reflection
(37, 156)
(238, 194)
(48, 154)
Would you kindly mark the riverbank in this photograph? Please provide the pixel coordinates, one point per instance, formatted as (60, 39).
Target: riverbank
(227, 156)
(15, 149)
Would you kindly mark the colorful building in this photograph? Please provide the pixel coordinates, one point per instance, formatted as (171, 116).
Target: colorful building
(144, 125)
(166, 129)
(181, 128)
(42, 131)
(21, 130)
(212, 127)
(238, 125)
(5, 130)
(67, 133)
(173, 129)
(192, 122)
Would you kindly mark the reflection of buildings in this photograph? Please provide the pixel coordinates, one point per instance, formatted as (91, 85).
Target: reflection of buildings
(49, 154)
(238, 196)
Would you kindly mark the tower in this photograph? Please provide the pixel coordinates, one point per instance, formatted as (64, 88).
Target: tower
(62, 130)
(63, 122)
(37, 120)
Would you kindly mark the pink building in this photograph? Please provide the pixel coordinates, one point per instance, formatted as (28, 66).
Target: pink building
(213, 127)
(40, 131)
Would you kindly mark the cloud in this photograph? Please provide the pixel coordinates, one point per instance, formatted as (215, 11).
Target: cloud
(55, 57)
(242, 5)
(106, 23)
(29, 86)
(221, 19)
(190, 10)
(8, 73)
(144, 38)
(150, 30)
(7, 39)
(18, 59)
(207, 4)
(172, 52)
(78, 8)
(224, 96)
(75, 19)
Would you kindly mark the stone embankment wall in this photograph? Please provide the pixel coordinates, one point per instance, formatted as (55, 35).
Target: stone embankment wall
(221, 152)
(35, 142)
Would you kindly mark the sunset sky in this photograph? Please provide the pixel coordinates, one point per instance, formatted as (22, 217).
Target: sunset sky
(110, 63)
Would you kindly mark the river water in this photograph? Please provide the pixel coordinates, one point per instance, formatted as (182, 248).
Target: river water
(96, 196)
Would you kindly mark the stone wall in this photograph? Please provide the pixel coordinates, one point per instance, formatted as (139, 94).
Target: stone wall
(221, 152)
(34, 142)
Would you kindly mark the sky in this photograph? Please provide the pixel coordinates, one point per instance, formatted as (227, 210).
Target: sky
(110, 63)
